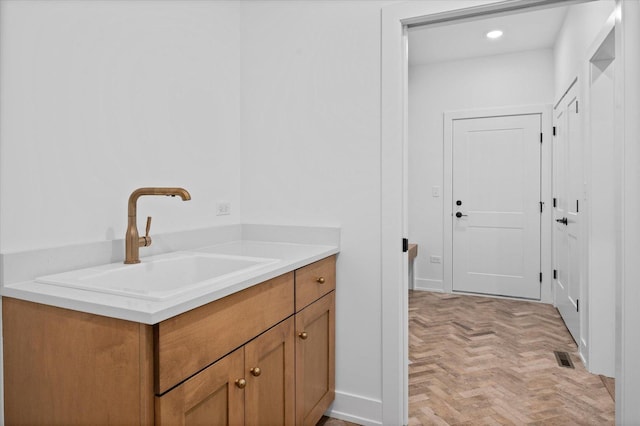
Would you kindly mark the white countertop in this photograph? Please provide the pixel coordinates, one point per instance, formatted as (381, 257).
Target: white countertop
(290, 256)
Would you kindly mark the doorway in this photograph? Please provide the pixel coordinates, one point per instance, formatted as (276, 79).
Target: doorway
(498, 83)
(396, 20)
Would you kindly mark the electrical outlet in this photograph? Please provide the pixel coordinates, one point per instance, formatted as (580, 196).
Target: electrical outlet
(223, 208)
(435, 191)
(435, 259)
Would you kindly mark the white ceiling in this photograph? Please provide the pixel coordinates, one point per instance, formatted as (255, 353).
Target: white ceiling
(454, 41)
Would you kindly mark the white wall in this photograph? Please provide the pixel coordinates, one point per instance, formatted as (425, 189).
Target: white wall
(602, 226)
(524, 78)
(582, 23)
(311, 152)
(101, 97)
(276, 105)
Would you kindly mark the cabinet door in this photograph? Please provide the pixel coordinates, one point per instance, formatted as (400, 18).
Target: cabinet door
(211, 397)
(269, 369)
(315, 360)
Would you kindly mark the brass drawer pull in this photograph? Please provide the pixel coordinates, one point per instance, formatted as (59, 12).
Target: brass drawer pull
(241, 383)
(320, 280)
(303, 335)
(256, 371)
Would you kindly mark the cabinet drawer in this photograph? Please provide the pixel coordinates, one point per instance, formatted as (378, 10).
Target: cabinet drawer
(314, 281)
(187, 343)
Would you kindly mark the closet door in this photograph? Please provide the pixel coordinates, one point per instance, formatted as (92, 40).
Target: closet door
(568, 182)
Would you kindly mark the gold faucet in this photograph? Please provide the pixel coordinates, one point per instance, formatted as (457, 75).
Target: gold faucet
(133, 241)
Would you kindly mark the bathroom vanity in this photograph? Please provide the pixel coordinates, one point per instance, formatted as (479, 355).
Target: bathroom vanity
(263, 354)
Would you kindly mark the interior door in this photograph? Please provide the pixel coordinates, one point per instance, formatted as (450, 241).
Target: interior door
(568, 183)
(496, 205)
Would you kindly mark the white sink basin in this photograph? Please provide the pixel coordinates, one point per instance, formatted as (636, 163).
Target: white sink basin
(160, 277)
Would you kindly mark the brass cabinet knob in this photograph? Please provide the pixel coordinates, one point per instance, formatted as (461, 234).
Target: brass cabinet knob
(303, 335)
(241, 383)
(320, 280)
(256, 371)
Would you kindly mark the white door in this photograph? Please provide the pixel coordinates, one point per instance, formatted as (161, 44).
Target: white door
(567, 177)
(496, 205)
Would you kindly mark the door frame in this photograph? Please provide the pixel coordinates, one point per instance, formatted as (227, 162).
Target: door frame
(595, 301)
(545, 112)
(627, 96)
(395, 19)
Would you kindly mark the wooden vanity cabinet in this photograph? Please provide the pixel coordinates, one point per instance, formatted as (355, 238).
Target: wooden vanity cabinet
(64, 367)
(251, 384)
(211, 397)
(189, 342)
(270, 375)
(264, 355)
(315, 329)
(315, 360)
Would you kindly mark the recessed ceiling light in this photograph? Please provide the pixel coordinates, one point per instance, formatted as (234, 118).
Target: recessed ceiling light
(494, 34)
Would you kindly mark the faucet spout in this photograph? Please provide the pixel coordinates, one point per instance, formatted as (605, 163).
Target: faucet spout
(133, 198)
(133, 241)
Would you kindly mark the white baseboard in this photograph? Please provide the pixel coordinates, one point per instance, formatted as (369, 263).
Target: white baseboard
(356, 409)
(426, 284)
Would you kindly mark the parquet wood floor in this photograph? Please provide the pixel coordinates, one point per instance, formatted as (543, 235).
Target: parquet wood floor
(484, 361)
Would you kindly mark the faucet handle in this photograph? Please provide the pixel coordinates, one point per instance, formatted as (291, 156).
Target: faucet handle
(147, 238)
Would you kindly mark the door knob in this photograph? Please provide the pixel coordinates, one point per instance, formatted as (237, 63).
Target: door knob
(459, 214)
(563, 220)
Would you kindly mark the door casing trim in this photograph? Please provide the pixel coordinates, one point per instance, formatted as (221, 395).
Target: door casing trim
(395, 19)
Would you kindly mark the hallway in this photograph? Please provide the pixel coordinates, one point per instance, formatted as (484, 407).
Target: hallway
(477, 360)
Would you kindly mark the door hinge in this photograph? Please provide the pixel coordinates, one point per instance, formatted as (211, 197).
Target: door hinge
(555, 274)
(541, 206)
(540, 276)
(555, 202)
(576, 107)
(577, 305)
(405, 245)
(577, 206)
(554, 130)
(540, 137)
